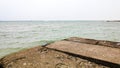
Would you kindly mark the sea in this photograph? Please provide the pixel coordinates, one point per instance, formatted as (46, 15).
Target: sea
(20, 35)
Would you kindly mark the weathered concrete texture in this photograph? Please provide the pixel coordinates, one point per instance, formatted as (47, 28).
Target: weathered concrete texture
(42, 57)
(95, 42)
(82, 40)
(94, 51)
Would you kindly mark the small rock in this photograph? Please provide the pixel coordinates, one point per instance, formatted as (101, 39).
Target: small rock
(24, 63)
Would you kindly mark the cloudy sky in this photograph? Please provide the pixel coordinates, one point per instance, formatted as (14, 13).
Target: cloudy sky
(59, 9)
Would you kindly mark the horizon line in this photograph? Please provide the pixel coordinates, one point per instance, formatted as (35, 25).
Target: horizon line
(54, 20)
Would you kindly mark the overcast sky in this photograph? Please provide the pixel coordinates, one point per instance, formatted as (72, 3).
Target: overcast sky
(59, 9)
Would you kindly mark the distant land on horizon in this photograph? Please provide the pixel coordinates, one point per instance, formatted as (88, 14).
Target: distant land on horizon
(113, 20)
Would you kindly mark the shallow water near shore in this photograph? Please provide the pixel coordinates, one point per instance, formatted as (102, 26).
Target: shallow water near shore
(18, 35)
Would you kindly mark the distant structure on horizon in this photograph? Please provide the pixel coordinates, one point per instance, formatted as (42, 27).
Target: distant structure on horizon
(113, 21)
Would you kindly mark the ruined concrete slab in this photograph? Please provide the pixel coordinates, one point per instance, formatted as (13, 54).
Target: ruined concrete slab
(82, 40)
(94, 51)
(95, 42)
(42, 57)
(69, 53)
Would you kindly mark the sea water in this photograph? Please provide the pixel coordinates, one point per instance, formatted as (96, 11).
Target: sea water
(18, 35)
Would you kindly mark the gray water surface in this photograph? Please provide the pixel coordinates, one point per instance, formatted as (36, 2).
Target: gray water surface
(15, 36)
